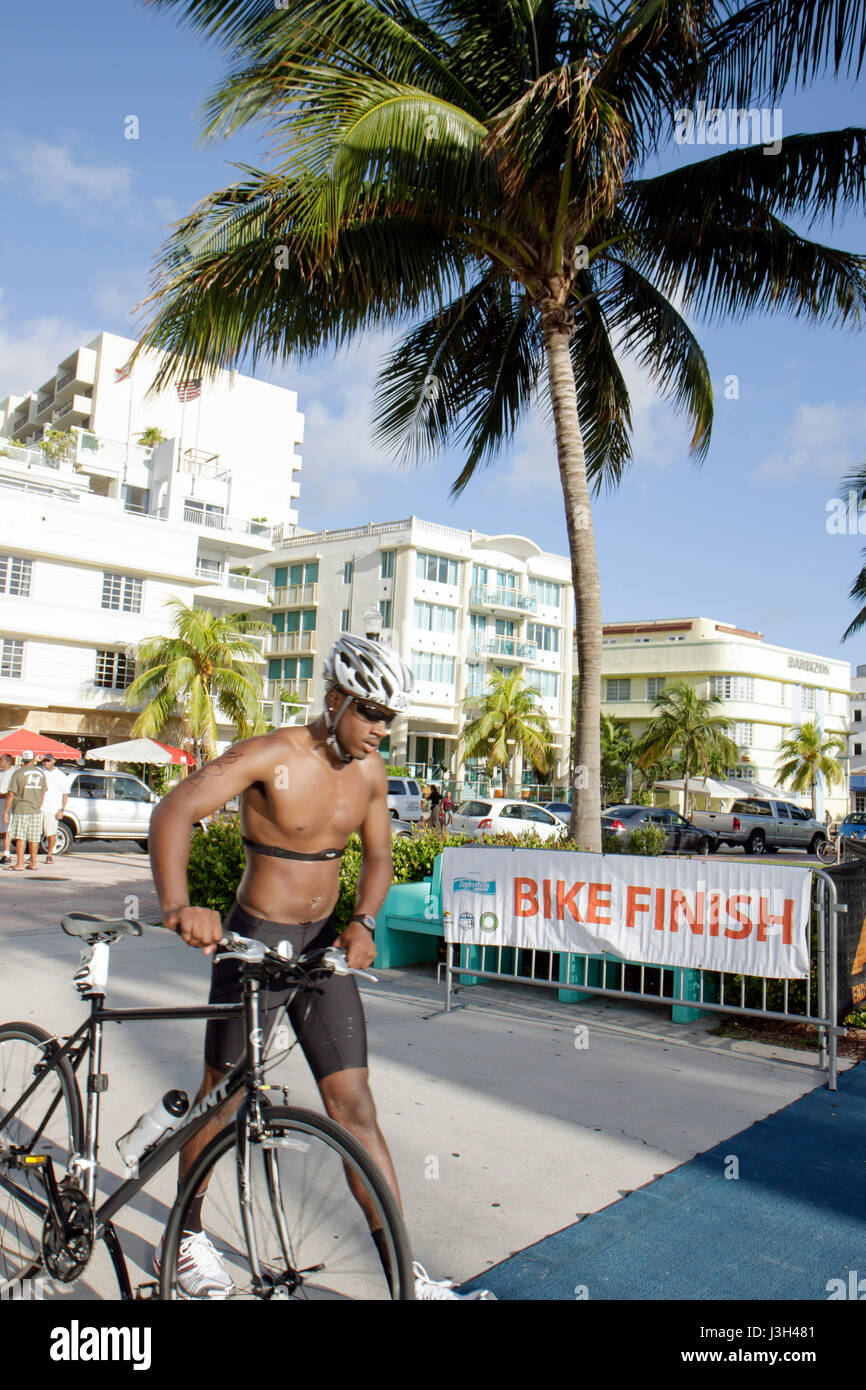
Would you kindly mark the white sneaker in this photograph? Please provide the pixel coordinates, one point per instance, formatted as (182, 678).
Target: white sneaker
(427, 1288)
(200, 1272)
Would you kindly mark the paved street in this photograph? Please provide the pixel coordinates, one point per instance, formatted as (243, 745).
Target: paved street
(527, 1130)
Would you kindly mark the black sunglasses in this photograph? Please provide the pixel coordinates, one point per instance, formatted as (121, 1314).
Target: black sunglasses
(372, 715)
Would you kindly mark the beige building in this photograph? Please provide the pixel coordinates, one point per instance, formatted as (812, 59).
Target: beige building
(765, 689)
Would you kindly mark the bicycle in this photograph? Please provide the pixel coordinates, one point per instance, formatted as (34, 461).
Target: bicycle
(278, 1208)
(827, 851)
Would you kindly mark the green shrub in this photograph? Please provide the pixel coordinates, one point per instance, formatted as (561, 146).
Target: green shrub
(216, 865)
(649, 840)
(397, 771)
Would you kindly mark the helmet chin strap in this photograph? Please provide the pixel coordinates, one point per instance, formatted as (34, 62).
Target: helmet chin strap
(332, 741)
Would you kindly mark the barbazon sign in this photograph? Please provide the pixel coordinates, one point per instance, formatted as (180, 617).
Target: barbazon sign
(750, 919)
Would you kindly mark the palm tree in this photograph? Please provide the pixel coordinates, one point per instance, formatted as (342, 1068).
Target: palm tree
(207, 668)
(151, 437)
(617, 751)
(510, 725)
(807, 756)
(686, 724)
(472, 168)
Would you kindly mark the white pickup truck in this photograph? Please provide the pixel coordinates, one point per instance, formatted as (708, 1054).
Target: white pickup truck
(763, 825)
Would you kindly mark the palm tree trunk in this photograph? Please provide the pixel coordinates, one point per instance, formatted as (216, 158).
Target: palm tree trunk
(586, 789)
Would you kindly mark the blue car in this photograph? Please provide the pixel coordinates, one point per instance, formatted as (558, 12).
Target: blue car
(854, 825)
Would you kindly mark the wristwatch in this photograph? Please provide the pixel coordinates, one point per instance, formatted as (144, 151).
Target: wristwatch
(366, 921)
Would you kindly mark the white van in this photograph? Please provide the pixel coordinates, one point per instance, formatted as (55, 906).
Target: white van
(405, 801)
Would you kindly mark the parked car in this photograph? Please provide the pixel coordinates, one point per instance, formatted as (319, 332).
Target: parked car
(764, 825)
(682, 834)
(405, 801)
(854, 825)
(104, 806)
(498, 816)
(402, 829)
(560, 809)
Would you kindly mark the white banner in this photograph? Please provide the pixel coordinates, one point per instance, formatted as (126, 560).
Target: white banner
(749, 919)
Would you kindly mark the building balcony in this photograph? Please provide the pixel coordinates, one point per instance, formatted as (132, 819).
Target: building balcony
(74, 411)
(504, 648)
(501, 600)
(246, 537)
(239, 586)
(300, 689)
(199, 464)
(296, 594)
(288, 643)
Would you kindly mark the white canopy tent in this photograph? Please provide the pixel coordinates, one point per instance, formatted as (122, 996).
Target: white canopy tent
(705, 791)
(136, 750)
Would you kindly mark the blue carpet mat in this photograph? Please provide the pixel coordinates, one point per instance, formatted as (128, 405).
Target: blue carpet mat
(793, 1219)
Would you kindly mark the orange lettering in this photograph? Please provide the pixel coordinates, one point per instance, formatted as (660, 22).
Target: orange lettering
(660, 910)
(567, 900)
(785, 921)
(680, 904)
(713, 914)
(745, 921)
(525, 897)
(548, 911)
(632, 905)
(595, 901)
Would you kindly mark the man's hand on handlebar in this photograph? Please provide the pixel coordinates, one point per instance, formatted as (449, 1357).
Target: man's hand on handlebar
(359, 946)
(199, 927)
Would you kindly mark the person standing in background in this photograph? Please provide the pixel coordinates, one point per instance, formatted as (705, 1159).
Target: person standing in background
(54, 803)
(27, 787)
(7, 767)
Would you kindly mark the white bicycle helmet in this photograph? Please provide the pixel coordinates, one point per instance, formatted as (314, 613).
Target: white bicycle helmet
(369, 671)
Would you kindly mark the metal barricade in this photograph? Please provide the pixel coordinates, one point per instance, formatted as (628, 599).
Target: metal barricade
(692, 989)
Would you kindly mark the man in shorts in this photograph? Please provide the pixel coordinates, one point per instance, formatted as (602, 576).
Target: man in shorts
(303, 790)
(27, 787)
(56, 796)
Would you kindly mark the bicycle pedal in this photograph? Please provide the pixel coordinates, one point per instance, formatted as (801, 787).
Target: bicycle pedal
(147, 1292)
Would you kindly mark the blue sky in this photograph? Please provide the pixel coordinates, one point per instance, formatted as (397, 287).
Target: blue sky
(743, 539)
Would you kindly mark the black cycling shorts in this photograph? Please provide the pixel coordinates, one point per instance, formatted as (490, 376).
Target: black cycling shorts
(327, 1016)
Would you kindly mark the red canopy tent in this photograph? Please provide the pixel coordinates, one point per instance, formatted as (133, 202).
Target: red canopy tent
(177, 754)
(18, 741)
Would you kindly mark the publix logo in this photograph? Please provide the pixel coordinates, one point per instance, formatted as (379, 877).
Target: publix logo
(474, 885)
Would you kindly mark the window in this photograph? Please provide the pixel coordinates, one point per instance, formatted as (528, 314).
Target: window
(733, 687)
(274, 669)
(807, 697)
(305, 668)
(11, 658)
(479, 576)
(545, 638)
(278, 622)
(123, 592)
(344, 620)
(545, 682)
(643, 639)
(474, 679)
(126, 789)
(543, 591)
(311, 572)
(90, 787)
(858, 750)
(280, 577)
(432, 668)
(136, 500)
(348, 567)
(654, 687)
(619, 690)
(385, 610)
(858, 715)
(437, 568)
(114, 670)
(745, 773)
(432, 617)
(308, 620)
(742, 735)
(680, 637)
(204, 513)
(15, 576)
(387, 570)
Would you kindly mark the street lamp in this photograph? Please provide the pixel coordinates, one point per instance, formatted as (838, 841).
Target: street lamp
(373, 624)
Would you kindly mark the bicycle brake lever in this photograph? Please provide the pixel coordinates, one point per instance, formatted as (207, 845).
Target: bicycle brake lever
(338, 963)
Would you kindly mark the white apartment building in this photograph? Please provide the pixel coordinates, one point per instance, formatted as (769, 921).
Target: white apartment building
(857, 740)
(454, 603)
(243, 429)
(766, 690)
(94, 538)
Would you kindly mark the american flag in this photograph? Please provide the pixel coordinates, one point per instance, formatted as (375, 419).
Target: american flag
(121, 373)
(189, 390)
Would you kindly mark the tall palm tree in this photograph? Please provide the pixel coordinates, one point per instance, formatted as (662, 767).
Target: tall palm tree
(617, 751)
(807, 756)
(855, 482)
(472, 168)
(509, 716)
(207, 668)
(686, 724)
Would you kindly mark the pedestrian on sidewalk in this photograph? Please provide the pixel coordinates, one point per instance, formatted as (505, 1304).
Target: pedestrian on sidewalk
(7, 767)
(54, 804)
(436, 809)
(27, 786)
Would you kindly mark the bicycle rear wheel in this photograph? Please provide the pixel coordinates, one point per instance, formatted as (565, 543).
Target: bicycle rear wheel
(302, 1233)
(50, 1122)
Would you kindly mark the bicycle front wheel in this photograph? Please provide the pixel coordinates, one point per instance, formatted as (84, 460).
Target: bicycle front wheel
(48, 1123)
(285, 1211)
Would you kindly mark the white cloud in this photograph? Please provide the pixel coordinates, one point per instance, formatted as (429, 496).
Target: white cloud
(50, 172)
(116, 292)
(30, 350)
(828, 439)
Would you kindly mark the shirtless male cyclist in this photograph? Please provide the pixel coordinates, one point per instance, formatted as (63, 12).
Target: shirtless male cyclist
(303, 791)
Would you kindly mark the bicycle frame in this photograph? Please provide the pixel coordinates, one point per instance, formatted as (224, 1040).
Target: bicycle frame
(247, 1074)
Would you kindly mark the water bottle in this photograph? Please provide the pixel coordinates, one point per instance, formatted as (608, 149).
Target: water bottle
(150, 1127)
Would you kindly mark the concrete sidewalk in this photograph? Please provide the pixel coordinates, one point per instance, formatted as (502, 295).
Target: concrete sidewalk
(502, 1130)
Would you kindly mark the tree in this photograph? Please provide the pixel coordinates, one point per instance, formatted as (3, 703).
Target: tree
(151, 437)
(207, 669)
(807, 756)
(617, 751)
(472, 168)
(509, 716)
(687, 725)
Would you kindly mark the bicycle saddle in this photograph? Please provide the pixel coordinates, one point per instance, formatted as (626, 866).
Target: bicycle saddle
(86, 923)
